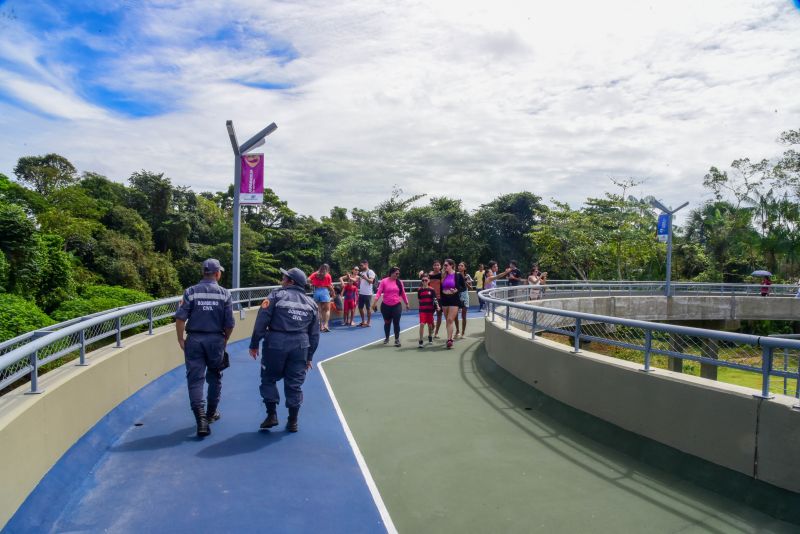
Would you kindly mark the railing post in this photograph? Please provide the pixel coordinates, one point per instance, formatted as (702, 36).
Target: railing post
(493, 310)
(785, 368)
(508, 314)
(119, 332)
(34, 374)
(150, 321)
(534, 316)
(766, 367)
(648, 346)
(577, 335)
(82, 359)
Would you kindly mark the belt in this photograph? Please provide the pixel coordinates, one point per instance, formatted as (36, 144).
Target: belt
(205, 332)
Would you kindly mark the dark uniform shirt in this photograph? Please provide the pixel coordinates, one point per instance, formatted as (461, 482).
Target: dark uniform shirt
(289, 321)
(207, 307)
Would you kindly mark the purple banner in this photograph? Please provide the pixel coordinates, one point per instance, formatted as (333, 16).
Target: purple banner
(252, 187)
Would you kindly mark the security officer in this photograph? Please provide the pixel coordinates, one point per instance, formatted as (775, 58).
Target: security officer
(287, 322)
(208, 309)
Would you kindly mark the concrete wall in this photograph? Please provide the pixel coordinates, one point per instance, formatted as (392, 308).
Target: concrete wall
(718, 422)
(36, 430)
(683, 308)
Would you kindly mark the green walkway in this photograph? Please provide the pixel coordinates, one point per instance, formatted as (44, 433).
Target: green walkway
(457, 445)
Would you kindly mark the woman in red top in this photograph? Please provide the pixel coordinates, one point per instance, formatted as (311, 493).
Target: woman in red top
(323, 287)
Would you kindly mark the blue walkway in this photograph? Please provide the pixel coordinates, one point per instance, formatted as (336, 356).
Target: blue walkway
(158, 477)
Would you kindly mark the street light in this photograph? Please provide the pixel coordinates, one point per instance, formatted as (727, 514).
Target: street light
(669, 213)
(255, 141)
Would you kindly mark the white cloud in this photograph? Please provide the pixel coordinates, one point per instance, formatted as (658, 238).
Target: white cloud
(468, 99)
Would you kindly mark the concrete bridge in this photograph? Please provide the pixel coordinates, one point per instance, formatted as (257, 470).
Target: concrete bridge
(501, 433)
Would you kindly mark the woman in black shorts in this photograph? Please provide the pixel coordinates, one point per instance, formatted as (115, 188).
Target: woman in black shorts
(452, 285)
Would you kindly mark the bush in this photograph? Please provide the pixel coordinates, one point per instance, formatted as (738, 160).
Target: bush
(18, 316)
(96, 299)
(121, 294)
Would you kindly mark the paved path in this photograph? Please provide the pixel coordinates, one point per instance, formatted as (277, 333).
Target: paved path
(158, 477)
(455, 444)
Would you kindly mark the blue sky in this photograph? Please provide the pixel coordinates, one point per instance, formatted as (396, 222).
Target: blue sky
(462, 98)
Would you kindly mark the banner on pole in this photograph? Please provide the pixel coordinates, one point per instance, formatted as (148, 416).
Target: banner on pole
(251, 190)
(663, 228)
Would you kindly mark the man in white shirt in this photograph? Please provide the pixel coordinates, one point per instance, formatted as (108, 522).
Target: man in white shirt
(366, 280)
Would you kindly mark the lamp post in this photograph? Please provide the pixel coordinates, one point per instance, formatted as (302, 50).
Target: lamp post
(669, 213)
(238, 151)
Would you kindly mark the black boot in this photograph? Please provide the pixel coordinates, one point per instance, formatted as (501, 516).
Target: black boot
(272, 416)
(291, 423)
(202, 422)
(212, 414)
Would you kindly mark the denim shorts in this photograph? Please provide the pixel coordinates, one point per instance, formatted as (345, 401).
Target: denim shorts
(464, 296)
(321, 294)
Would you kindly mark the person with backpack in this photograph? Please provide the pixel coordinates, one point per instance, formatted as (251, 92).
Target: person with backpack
(393, 293)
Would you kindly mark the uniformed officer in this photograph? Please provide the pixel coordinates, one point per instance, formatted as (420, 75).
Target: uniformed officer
(208, 309)
(287, 323)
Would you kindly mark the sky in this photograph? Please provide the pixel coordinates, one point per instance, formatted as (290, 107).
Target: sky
(467, 99)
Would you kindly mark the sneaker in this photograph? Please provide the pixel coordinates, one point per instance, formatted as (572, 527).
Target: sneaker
(386, 341)
(396, 342)
(420, 343)
(430, 340)
(449, 343)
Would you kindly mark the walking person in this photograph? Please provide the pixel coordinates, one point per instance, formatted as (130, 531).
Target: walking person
(765, 283)
(206, 314)
(289, 328)
(464, 296)
(436, 284)
(323, 293)
(393, 293)
(428, 303)
(479, 282)
(452, 285)
(535, 280)
(349, 296)
(366, 277)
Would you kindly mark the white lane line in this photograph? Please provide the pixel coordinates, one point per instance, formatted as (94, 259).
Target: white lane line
(362, 464)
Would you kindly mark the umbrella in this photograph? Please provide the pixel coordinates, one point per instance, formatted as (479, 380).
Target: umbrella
(761, 273)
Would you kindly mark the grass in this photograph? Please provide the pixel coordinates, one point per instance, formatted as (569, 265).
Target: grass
(740, 355)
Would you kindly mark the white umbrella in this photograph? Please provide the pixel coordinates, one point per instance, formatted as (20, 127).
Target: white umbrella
(761, 273)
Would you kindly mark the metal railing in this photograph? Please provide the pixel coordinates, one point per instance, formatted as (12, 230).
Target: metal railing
(25, 355)
(652, 344)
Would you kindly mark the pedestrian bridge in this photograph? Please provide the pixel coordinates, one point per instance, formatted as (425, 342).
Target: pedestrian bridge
(520, 428)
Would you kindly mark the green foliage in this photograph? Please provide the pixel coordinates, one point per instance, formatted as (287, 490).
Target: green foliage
(18, 316)
(46, 173)
(13, 193)
(63, 234)
(95, 299)
(4, 271)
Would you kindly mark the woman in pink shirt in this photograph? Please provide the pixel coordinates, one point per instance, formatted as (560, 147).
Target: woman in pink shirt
(393, 293)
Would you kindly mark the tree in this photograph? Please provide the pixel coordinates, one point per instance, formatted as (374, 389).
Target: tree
(504, 225)
(46, 173)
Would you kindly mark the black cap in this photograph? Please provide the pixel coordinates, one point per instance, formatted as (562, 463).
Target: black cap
(295, 275)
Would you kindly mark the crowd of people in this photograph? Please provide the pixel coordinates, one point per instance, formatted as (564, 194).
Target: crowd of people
(443, 293)
(287, 329)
